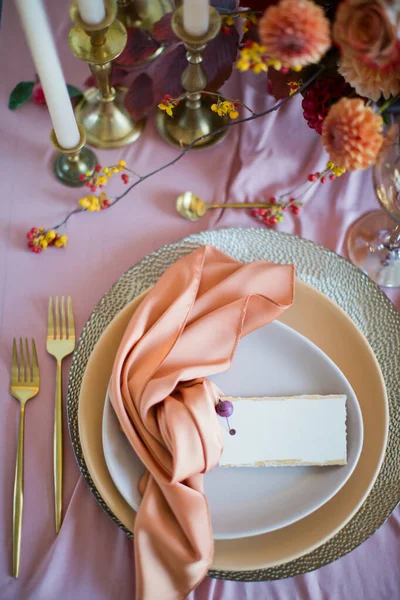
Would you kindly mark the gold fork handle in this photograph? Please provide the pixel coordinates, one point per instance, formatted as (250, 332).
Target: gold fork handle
(58, 443)
(18, 494)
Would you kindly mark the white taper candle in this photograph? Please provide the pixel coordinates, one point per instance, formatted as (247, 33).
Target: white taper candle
(44, 54)
(92, 11)
(196, 17)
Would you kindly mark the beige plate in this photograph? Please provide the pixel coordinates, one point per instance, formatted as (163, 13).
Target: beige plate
(325, 324)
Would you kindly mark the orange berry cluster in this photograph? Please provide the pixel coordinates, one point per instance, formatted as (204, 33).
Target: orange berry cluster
(95, 203)
(99, 179)
(102, 175)
(273, 213)
(249, 20)
(40, 239)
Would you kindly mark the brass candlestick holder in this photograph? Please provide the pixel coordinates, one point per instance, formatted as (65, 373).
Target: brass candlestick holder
(102, 112)
(193, 117)
(70, 164)
(142, 14)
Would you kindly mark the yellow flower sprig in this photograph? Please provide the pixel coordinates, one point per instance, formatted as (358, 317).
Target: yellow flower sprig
(335, 169)
(228, 21)
(102, 175)
(40, 239)
(95, 203)
(225, 107)
(99, 180)
(250, 20)
(253, 57)
(249, 17)
(168, 103)
(222, 106)
(294, 86)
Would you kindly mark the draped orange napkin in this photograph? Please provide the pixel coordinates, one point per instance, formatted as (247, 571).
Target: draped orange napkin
(187, 327)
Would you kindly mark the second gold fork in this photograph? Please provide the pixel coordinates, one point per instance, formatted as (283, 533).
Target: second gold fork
(60, 343)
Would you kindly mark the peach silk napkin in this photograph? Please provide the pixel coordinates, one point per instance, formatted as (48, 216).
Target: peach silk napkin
(188, 326)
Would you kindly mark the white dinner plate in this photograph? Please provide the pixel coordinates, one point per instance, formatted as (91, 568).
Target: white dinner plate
(274, 360)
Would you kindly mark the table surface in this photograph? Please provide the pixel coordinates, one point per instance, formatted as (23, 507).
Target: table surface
(91, 558)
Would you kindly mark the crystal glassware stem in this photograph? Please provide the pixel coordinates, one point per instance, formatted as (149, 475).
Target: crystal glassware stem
(373, 241)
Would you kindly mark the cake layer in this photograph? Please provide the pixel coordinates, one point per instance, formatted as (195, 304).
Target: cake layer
(285, 431)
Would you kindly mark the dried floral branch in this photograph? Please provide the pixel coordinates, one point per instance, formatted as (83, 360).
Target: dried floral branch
(172, 162)
(41, 238)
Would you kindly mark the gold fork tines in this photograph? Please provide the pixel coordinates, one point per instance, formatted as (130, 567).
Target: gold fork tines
(24, 386)
(60, 343)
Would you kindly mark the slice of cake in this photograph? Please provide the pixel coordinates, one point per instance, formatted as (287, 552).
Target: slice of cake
(285, 431)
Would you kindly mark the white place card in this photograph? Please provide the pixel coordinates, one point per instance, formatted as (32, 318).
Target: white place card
(285, 431)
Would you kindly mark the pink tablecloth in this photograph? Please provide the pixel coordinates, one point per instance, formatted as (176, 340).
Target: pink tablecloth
(91, 559)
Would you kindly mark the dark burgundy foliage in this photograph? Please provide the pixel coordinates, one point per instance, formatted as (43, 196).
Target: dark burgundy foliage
(162, 31)
(219, 57)
(278, 82)
(319, 97)
(166, 73)
(162, 78)
(139, 47)
(139, 98)
(163, 75)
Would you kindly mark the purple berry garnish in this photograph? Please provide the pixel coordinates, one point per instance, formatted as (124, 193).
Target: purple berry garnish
(224, 408)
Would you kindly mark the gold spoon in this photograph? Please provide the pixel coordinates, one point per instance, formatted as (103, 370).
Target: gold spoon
(192, 207)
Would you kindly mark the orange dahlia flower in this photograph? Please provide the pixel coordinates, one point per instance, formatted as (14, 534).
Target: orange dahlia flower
(295, 32)
(352, 134)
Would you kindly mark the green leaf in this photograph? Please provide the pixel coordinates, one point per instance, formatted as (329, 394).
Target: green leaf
(73, 91)
(20, 94)
(386, 118)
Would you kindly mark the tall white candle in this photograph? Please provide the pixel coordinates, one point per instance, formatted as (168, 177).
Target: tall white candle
(195, 17)
(44, 53)
(92, 11)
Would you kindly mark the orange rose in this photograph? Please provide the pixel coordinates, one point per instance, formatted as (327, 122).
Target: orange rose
(364, 31)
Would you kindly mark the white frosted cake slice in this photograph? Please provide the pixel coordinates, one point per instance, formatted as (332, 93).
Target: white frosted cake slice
(285, 431)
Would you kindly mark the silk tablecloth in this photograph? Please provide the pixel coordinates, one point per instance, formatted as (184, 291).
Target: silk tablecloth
(91, 559)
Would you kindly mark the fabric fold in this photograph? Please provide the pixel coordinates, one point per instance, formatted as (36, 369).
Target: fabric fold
(186, 328)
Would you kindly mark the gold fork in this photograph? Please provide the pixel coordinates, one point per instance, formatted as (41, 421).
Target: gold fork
(60, 343)
(24, 386)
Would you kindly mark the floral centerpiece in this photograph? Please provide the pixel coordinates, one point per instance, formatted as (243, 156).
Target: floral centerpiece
(355, 47)
(342, 56)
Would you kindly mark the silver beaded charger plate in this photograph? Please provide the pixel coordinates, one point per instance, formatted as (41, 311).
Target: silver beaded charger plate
(339, 280)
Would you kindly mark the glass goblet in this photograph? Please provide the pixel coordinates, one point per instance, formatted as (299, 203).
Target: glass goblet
(373, 241)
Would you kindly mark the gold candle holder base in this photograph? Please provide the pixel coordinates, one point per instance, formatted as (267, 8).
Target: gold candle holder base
(101, 111)
(108, 125)
(193, 117)
(188, 125)
(70, 164)
(142, 14)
